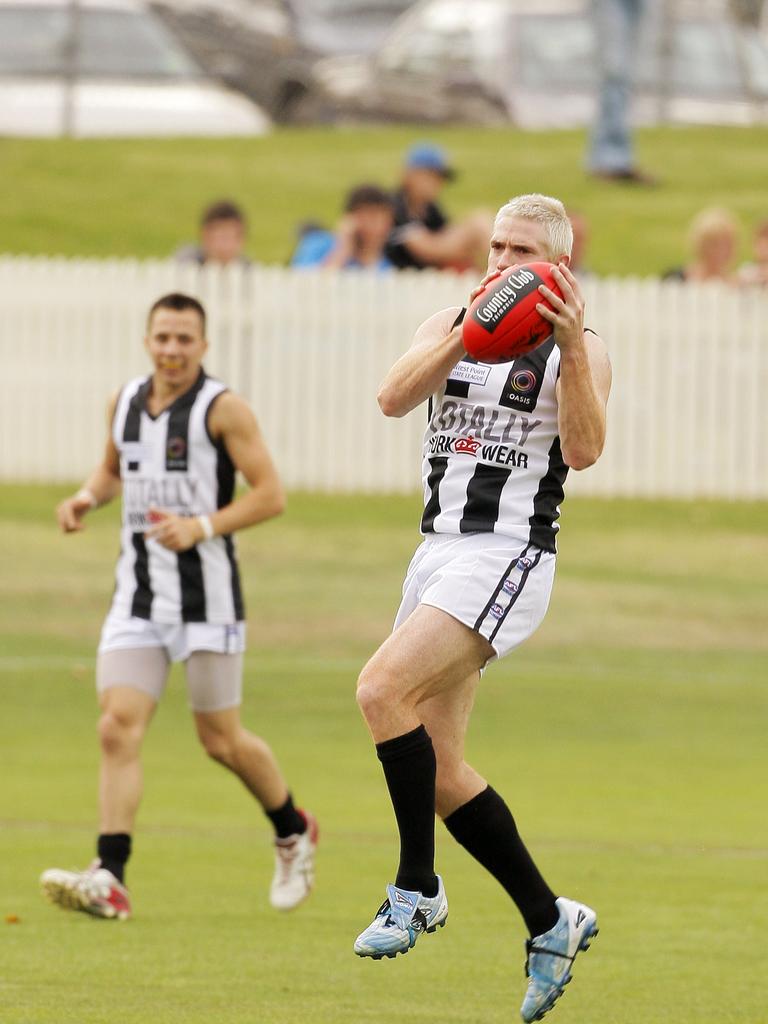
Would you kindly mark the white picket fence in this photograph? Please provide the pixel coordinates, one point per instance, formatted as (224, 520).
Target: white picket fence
(688, 414)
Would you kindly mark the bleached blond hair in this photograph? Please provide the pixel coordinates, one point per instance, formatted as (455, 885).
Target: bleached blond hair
(545, 210)
(712, 222)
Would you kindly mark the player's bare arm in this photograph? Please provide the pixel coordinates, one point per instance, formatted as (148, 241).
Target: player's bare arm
(582, 392)
(585, 373)
(436, 348)
(232, 422)
(420, 372)
(101, 487)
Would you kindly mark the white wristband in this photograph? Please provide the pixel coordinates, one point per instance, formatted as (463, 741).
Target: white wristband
(85, 495)
(207, 525)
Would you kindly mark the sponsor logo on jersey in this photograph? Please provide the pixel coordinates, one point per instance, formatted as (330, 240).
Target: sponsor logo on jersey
(465, 445)
(136, 451)
(509, 587)
(470, 373)
(497, 611)
(176, 454)
(177, 448)
(523, 381)
(501, 454)
(524, 563)
(483, 423)
(177, 495)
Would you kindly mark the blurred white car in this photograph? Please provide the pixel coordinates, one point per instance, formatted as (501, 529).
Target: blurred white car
(535, 64)
(107, 68)
(266, 48)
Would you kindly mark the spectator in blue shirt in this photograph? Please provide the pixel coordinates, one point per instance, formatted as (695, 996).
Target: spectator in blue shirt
(359, 240)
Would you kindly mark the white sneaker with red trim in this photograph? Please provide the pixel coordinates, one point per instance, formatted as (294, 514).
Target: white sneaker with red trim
(294, 866)
(95, 891)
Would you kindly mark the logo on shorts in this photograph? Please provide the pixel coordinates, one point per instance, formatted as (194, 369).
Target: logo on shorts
(510, 587)
(524, 563)
(231, 638)
(466, 445)
(497, 611)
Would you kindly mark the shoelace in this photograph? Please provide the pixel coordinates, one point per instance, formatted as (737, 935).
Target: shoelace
(530, 948)
(418, 921)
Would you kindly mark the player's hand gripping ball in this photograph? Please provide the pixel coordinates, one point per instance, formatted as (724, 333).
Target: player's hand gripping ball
(503, 323)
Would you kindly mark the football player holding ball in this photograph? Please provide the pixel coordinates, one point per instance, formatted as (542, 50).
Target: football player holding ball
(502, 434)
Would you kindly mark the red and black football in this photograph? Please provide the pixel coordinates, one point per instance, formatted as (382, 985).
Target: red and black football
(503, 323)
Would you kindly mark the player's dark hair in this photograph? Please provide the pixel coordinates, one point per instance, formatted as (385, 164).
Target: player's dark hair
(367, 195)
(222, 209)
(178, 302)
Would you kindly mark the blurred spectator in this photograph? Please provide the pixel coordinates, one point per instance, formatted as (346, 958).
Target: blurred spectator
(223, 233)
(611, 156)
(423, 236)
(359, 240)
(713, 239)
(756, 272)
(580, 227)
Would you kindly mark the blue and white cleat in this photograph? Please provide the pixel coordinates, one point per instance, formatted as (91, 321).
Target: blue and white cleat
(550, 956)
(399, 921)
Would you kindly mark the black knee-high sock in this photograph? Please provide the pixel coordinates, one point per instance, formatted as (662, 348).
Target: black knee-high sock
(409, 768)
(485, 828)
(113, 850)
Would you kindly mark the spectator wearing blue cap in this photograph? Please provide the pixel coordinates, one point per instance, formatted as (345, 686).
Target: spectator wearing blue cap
(423, 236)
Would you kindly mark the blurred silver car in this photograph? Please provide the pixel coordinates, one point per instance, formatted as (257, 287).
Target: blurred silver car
(106, 68)
(250, 46)
(266, 48)
(493, 61)
(345, 26)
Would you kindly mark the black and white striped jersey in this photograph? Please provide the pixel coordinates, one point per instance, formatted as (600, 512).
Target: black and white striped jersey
(170, 461)
(492, 460)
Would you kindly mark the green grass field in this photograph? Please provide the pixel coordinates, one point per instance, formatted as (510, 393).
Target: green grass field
(143, 197)
(628, 736)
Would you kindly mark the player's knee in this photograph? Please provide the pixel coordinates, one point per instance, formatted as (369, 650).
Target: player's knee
(374, 694)
(219, 747)
(117, 734)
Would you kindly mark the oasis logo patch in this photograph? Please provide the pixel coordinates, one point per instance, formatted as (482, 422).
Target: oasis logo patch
(525, 378)
(176, 453)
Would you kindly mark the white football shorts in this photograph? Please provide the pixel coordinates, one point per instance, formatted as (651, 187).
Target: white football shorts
(138, 653)
(496, 585)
